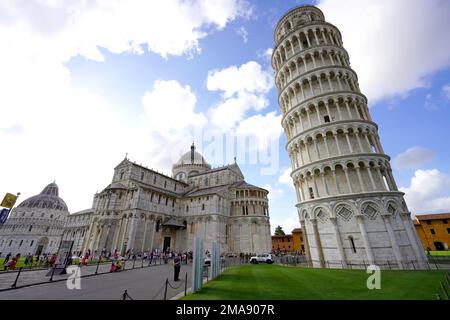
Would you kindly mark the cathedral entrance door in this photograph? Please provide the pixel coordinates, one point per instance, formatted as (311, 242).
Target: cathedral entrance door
(166, 243)
(41, 245)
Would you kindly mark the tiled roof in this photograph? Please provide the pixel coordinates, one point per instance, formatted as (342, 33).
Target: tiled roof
(206, 191)
(434, 216)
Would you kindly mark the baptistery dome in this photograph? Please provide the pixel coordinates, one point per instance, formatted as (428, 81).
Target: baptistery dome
(48, 198)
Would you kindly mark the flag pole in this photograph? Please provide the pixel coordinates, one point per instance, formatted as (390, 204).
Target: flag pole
(10, 209)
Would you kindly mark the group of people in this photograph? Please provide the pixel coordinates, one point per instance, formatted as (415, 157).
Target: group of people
(43, 260)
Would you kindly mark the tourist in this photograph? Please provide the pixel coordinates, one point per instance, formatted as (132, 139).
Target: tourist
(11, 265)
(7, 258)
(52, 260)
(176, 267)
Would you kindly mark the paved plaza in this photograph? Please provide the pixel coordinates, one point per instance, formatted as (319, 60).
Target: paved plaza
(141, 284)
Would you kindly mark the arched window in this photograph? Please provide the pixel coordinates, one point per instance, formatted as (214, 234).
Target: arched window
(203, 206)
(30, 228)
(158, 223)
(352, 243)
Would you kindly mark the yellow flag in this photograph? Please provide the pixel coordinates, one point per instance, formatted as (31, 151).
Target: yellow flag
(8, 201)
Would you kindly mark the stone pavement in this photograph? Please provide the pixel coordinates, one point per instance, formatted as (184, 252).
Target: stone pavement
(141, 284)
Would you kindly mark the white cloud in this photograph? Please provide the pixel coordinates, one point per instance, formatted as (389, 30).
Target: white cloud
(67, 28)
(248, 78)
(429, 103)
(285, 177)
(287, 222)
(243, 88)
(56, 131)
(274, 193)
(171, 114)
(446, 91)
(264, 129)
(266, 54)
(393, 45)
(229, 112)
(414, 157)
(428, 192)
(243, 33)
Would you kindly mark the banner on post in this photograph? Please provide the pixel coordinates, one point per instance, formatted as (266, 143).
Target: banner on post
(4, 213)
(8, 201)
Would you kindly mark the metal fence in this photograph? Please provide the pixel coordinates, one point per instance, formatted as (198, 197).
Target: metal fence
(24, 277)
(301, 261)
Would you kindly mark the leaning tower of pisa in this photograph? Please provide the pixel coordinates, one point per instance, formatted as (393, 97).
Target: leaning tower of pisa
(348, 201)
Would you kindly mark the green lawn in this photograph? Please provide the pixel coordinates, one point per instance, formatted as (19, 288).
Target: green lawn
(21, 261)
(440, 253)
(293, 283)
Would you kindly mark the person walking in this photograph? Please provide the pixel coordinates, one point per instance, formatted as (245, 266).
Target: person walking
(176, 267)
(7, 258)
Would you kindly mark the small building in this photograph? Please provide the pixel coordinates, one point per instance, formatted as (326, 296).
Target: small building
(283, 243)
(292, 243)
(297, 239)
(433, 230)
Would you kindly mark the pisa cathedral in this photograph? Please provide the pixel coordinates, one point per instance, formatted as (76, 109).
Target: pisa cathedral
(348, 200)
(145, 210)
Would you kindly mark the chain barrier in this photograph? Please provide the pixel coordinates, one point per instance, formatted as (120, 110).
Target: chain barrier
(176, 288)
(160, 290)
(125, 295)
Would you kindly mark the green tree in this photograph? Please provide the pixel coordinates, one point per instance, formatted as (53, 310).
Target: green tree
(279, 231)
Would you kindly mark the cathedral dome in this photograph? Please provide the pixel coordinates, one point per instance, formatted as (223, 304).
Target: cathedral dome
(48, 198)
(190, 163)
(191, 157)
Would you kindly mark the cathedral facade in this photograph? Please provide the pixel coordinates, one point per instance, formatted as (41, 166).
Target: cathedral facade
(143, 210)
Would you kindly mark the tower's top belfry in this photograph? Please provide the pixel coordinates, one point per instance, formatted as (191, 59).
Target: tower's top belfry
(297, 17)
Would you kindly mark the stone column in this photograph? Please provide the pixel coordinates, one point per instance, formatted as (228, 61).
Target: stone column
(153, 234)
(362, 229)
(336, 184)
(337, 143)
(326, 145)
(313, 177)
(348, 180)
(348, 109)
(413, 239)
(314, 141)
(305, 238)
(325, 184)
(358, 138)
(394, 244)
(369, 170)
(348, 141)
(117, 234)
(316, 106)
(145, 235)
(339, 241)
(318, 243)
(361, 183)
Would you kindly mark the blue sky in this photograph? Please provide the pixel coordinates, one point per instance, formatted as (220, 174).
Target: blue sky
(84, 83)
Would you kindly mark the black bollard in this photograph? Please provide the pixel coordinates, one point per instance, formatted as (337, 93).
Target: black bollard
(98, 263)
(17, 278)
(165, 290)
(185, 284)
